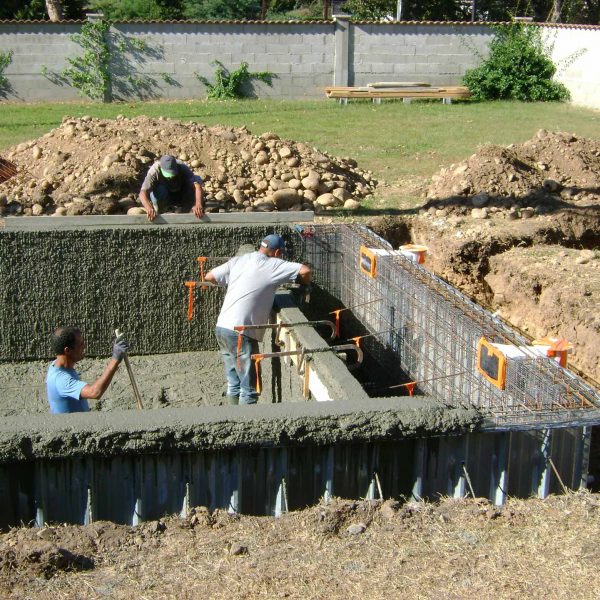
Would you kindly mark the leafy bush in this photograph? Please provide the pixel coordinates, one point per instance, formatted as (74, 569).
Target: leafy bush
(230, 84)
(517, 68)
(5, 60)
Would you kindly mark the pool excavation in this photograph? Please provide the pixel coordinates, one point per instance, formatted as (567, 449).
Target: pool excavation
(380, 381)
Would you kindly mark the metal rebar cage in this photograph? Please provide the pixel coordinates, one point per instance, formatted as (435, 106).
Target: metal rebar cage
(430, 332)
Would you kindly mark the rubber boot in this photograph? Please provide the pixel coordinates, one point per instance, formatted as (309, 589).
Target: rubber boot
(232, 399)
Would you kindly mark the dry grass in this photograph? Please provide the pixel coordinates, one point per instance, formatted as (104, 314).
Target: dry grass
(452, 549)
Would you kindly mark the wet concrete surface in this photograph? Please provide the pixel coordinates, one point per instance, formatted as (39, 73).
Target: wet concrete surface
(179, 380)
(221, 427)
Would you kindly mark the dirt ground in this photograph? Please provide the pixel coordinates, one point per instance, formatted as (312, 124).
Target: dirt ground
(518, 230)
(450, 549)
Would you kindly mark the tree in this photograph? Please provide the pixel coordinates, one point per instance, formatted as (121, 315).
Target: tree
(222, 9)
(123, 10)
(55, 10)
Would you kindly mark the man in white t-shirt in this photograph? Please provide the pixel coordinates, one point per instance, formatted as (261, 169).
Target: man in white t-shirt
(251, 281)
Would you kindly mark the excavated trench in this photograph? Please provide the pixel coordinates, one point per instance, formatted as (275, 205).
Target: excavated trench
(319, 429)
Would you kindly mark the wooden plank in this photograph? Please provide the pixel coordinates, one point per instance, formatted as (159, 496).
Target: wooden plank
(93, 221)
(440, 94)
(397, 84)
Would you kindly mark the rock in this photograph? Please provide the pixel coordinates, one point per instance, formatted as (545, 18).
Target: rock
(582, 260)
(351, 204)
(36, 152)
(389, 509)
(136, 210)
(278, 184)
(311, 181)
(356, 529)
(342, 194)
(262, 158)
(512, 215)
(550, 185)
(37, 210)
(294, 184)
(229, 136)
(460, 169)
(238, 550)
(309, 195)
(527, 213)
(109, 160)
(327, 200)
(479, 213)
(480, 200)
(325, 187)
(283, 199)
(285, 152)
(61, 211)
(293, 162)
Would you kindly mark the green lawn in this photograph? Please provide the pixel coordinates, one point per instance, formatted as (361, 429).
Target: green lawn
(394, 140)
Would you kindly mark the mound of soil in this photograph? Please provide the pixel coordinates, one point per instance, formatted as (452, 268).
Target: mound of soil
(369, 549)
(550, 171)
(95, 166)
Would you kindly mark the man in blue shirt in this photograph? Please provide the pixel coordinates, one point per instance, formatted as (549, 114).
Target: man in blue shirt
(66, 392)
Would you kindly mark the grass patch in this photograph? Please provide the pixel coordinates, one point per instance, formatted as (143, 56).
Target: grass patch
(397, 141)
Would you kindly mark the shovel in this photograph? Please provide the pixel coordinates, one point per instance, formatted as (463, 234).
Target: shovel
(136, 392)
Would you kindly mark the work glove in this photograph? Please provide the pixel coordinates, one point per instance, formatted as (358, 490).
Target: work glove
(119, 349)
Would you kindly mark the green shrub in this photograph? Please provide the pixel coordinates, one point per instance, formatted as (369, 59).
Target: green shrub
(230, 84)
(5, 60)
(518, 68)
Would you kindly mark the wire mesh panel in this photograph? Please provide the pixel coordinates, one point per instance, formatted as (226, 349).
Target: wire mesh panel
(430, 331)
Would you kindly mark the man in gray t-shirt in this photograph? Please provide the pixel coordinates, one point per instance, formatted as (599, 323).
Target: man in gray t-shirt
(251, 281)
(171, 182)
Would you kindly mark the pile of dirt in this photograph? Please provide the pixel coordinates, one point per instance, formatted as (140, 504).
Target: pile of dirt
(94, 166)
(450, 549)
(550, 171)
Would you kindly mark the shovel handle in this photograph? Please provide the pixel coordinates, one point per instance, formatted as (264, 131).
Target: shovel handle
(136, 391)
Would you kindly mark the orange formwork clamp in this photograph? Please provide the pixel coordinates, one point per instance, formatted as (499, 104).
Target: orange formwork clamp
(337, 320)
(190, 312)
(357, 339)
(411, 387)
(558, 348)
(202, 261)
(257, 359)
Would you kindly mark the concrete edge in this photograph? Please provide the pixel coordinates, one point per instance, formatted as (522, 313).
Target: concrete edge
(226, 427)
(48, 223)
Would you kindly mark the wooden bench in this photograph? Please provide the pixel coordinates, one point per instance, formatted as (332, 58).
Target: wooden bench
(407, 93)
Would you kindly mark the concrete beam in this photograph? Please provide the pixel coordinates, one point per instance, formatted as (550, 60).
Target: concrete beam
(49, 223)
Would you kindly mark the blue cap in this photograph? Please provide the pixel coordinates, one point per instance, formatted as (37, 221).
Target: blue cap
(274, 242)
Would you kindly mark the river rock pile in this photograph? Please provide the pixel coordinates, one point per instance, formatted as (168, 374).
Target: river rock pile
(550, 171)
(95, 166)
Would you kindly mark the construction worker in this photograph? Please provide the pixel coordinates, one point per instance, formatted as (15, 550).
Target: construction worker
(66, 392)
(251, 281)
(171, 182)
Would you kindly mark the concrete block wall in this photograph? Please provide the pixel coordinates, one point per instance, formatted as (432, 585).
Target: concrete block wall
(576, 53)
(305, 57)
(131, 278)
(436, 54)
(34, 47)
(300, 56)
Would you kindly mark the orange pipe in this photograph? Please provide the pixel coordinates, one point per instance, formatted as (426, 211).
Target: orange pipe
(356, 340)
(411, 387)
(190, 312)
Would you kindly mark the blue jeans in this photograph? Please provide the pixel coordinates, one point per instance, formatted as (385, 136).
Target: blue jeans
(164, 200)
(240, 373)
